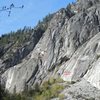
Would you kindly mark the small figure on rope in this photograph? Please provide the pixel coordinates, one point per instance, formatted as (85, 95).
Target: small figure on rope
(9, 9)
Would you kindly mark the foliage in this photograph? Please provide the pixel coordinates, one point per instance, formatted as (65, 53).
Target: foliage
(43, 25)
(61, 96)
(20, 36)
(49, 89)
(22, 42)
(23, 35)
(98, 56)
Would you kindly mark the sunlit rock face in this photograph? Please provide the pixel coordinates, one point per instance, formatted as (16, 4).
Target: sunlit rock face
(93, 76)
(9, 78)
(18, 76)
(85, 63)
(69, 48)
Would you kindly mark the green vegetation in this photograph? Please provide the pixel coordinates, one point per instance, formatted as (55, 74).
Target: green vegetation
(23, 35)
(98, 56)
(21, 42)
(49, 89)
(19, 37)
(5, 95)
(61, 96)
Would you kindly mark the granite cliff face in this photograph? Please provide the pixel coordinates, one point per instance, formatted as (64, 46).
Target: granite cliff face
(69, 48)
